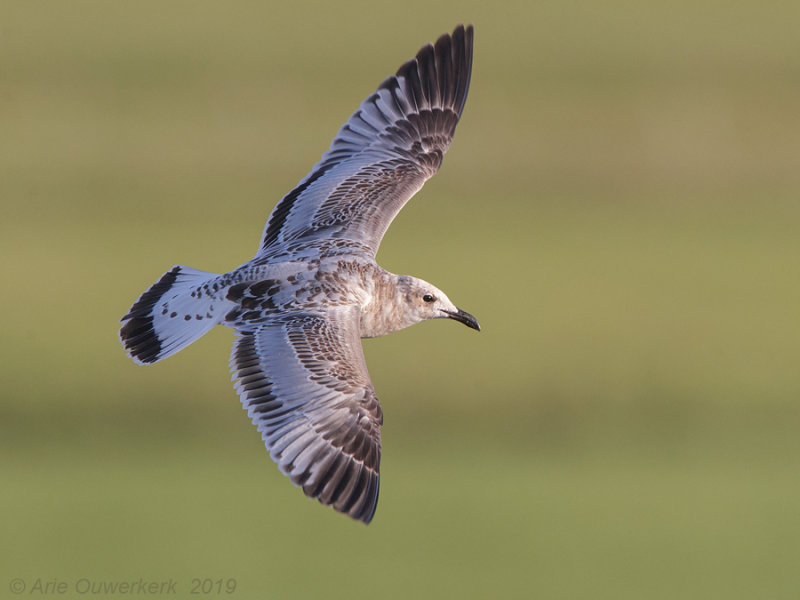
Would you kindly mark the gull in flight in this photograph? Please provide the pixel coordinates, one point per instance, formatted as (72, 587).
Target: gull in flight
(300, 307)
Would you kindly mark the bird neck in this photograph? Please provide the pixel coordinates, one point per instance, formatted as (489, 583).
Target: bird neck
(387, 310)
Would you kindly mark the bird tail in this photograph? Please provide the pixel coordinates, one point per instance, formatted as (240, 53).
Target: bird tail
(174, 312)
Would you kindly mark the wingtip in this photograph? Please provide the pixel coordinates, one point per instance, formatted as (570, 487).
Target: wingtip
(462, 34)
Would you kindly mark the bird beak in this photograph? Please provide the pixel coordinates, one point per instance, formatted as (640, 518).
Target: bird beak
(463, 317)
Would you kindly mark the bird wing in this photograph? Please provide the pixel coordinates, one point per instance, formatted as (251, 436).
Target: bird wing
(305, 385)
(383, 154)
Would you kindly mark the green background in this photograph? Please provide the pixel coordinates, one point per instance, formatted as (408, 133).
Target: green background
(620, 209)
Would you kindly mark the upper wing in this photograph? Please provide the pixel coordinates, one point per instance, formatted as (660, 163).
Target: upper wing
(384, 153)
(304, 383)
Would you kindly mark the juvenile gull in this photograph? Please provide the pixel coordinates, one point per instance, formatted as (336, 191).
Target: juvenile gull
(301, 305)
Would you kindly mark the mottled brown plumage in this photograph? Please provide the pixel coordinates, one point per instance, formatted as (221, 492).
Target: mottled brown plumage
(313, 290)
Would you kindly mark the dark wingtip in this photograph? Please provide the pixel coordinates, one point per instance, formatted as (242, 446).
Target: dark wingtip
(441, 72)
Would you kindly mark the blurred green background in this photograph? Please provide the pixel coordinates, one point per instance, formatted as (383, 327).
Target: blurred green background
(620, 209)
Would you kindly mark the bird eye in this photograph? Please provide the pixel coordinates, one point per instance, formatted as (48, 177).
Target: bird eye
(428, 298)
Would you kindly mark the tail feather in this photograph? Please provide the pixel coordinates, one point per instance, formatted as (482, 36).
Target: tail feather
(170, 315)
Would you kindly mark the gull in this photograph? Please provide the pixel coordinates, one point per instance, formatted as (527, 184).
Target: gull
(300, 307)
